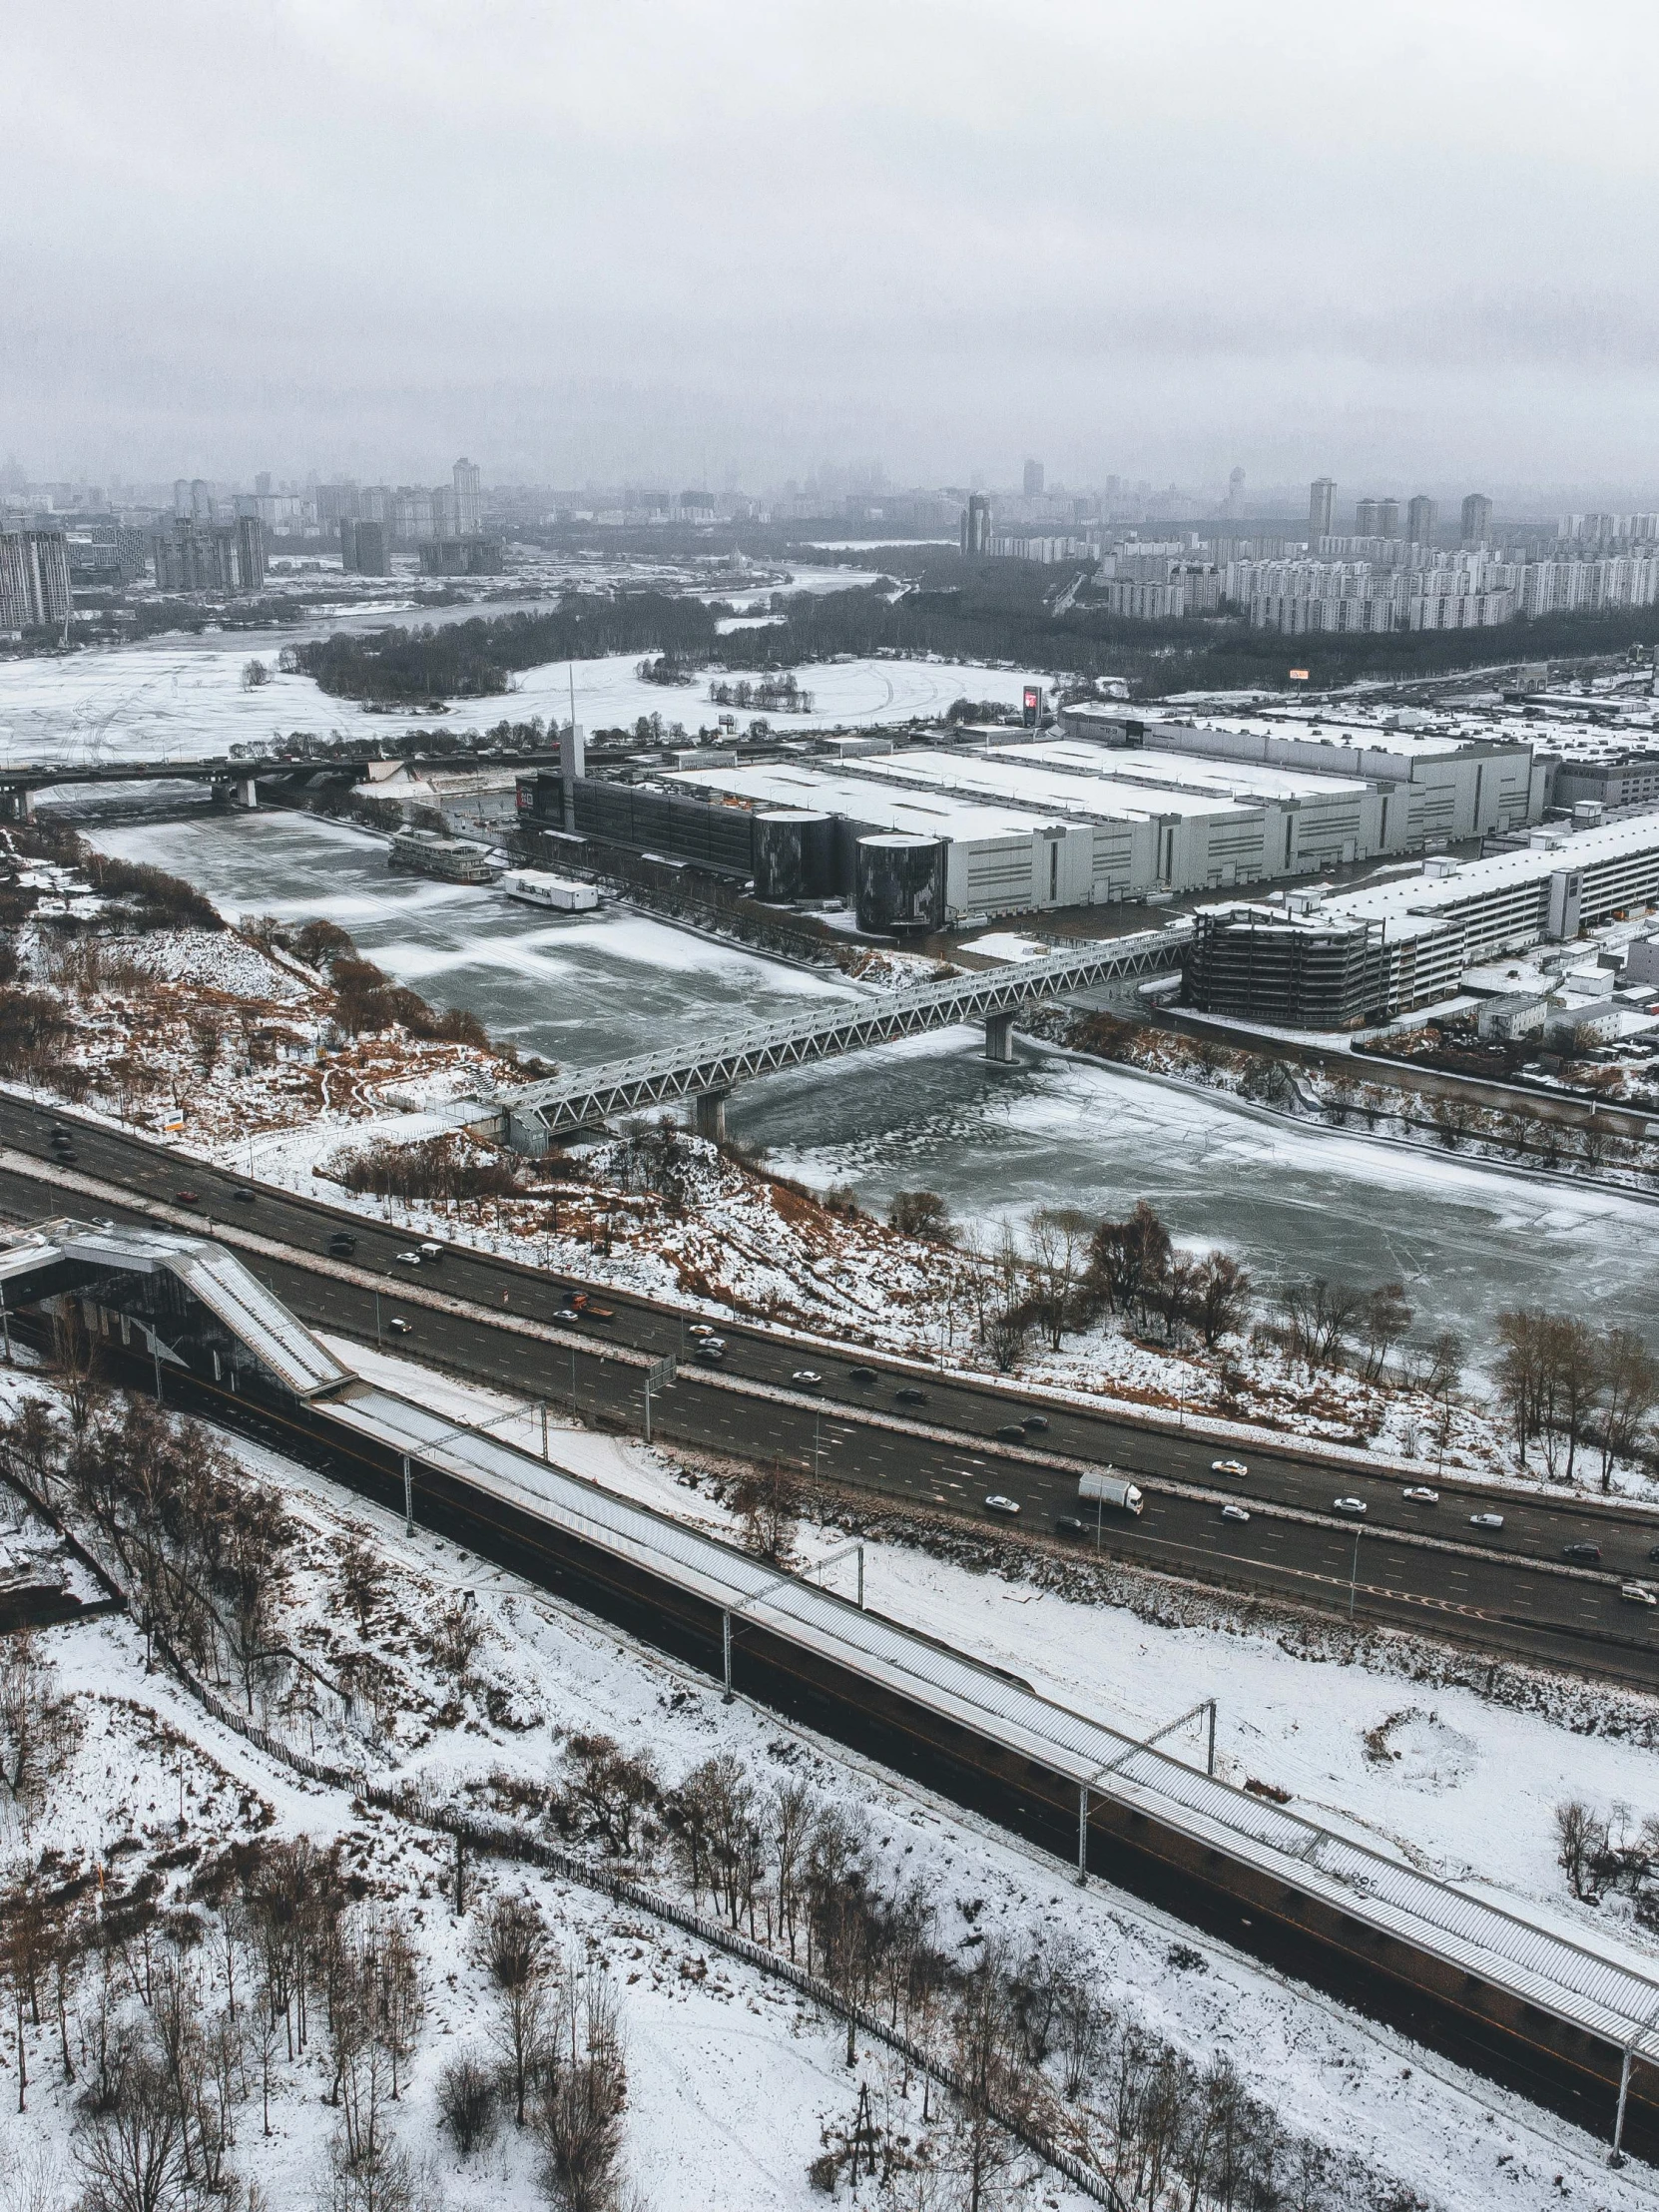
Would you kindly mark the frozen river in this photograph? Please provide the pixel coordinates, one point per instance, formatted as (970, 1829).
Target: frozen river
(995, 1142)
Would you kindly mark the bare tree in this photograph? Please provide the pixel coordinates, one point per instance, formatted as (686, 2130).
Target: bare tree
(613, 1789)
(466, 2103)
(1059, 1241)
(768, 1501)
(1222, 1297)
(516, 1957)
(1385, 1318)
(1629, 1389)
(363, 1579)
(133, 2155)
(585, 2092)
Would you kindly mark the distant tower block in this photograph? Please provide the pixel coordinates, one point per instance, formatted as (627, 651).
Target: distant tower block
(1321, 502)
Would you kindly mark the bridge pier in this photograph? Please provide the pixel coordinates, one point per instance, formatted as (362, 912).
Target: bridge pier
(710, 1111)
(999, 1037)
(18, 801)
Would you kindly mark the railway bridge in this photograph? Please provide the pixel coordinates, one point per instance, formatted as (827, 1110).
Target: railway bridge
(536, 1113)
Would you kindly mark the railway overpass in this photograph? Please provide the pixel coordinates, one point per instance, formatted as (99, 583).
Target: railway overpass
(536, 1113)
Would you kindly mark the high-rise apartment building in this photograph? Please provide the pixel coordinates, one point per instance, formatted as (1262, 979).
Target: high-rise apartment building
(363, 548)
(1322, 503)
(469, 500)
(1419, 520)
(1478, 519)
(335, 503)
(976, 525)
(34, 579)
(1364, 518)
(1388, 518)
(219, 557)
(1033, 479)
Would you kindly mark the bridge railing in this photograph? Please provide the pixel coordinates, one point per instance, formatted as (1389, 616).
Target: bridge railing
(562, 1101)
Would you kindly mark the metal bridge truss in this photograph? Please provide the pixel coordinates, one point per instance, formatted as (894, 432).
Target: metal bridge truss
(543, 1110)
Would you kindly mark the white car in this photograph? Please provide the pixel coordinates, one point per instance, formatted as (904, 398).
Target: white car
(1353, 1506)
(1228, 1466)
(806, 1378)
(1420, 1494)
(997, 1503)
(1486, 1520)
(1637, 1593)
(1234, 1512)
(408, 1259)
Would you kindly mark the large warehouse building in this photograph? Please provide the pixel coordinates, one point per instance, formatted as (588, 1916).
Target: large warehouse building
(996, 824)
(1311, 961)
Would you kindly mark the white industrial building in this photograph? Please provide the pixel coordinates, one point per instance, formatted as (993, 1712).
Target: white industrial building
(1327, 962)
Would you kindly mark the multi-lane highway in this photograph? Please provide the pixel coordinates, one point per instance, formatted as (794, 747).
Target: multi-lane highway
(510, 1326)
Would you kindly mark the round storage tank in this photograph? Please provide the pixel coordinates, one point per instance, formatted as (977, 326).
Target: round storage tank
(793, 848)
(900, 884)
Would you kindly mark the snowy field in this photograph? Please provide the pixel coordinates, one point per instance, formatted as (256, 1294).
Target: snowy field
(181, 701)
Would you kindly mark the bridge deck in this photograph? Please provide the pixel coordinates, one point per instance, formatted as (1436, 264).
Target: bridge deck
(585, 1096)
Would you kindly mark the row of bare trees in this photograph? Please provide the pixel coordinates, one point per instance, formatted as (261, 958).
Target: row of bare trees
(204, 1545)
(1566, 1386)
(561, 2068)
(169, 2019)
(1026, 2029)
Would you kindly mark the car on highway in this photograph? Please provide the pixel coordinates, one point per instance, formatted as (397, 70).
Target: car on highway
(861, 1374)
(711, 1353)
(1637, 1593)
(1228, 1466)
(1068, 1524)
(341, 1244)
(400, 1327)
(1353, 1506)
(243, 1195)
(1420, 1493)
(1035, 1425)
(1011, 1432)
(431, 1254)
(578, 1301)
(187, 1198)
(1583, 1555)
(1486, 1520)
(910, 1396)
(997, 1503)
(806, 1379)
(702, 1329)
(1235, 1513)
(408, 1259)
(65, 1155)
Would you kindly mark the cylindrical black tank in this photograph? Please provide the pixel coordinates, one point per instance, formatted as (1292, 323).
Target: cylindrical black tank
(900, 884)
(794, 854)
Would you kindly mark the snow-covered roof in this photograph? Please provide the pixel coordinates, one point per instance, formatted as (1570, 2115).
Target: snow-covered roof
(930, 814)
(1227, 779)
(1028, 778)
(1604, 1996)
(212, 1274)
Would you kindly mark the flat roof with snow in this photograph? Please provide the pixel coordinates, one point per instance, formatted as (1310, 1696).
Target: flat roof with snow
(1244, 781)
(1047, 791)
(930, 814)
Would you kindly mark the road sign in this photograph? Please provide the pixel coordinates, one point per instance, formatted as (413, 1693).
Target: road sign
(660, 1374)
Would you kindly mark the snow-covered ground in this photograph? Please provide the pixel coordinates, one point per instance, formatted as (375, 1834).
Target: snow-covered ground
(733, 2081)
(172, 701)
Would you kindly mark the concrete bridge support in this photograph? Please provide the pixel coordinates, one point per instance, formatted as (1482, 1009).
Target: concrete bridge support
(711, 1115)
(18, 802)
(999, 1037)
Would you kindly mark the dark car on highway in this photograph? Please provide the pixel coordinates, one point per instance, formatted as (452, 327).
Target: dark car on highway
(1583, 1555)
(910, 1396)
(1067, 1524)
(1011, 1432)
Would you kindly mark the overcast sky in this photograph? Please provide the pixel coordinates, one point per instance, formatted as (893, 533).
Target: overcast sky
(1411, 245)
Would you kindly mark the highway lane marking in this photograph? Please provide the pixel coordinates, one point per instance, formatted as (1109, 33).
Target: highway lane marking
(162, 1164)
(624, 1356)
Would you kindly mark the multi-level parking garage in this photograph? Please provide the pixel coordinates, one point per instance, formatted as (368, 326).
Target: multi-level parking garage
(1319, 963)
(1574, 2025)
